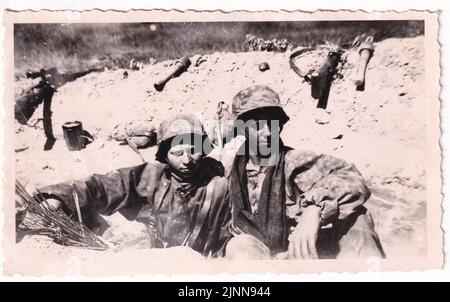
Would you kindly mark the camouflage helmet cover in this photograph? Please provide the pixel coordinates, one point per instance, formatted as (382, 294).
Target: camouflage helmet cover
(180, 124)
(257, 97)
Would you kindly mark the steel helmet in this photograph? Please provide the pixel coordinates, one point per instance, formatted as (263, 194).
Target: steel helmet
(257, 97)
(179, 125)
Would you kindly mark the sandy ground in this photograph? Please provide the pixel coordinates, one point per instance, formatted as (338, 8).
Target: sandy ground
(381, 130)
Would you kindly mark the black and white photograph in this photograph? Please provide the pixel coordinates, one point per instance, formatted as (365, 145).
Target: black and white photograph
(174, 142)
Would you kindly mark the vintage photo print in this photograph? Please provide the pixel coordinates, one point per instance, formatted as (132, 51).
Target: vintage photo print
(170, 142)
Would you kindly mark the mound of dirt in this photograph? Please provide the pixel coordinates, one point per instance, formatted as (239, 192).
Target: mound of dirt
(381, 129)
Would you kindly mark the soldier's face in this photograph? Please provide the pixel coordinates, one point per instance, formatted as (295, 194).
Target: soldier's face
(259, 132)
(184, 158)
(263, 130)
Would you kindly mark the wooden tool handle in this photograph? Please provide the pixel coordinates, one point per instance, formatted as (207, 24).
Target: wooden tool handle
(180, 66)
(364, 58)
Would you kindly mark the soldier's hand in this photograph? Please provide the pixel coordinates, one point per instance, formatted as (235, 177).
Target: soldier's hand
(304, 237)
(52, 203)
(21, 209)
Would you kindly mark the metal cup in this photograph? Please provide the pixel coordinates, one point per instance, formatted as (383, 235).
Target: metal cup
(73, 135)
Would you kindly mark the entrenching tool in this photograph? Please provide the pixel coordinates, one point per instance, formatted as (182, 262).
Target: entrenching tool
(322, 77)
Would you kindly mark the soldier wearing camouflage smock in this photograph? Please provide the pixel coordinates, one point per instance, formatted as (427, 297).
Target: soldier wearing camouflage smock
(180, 198)
(288, 202)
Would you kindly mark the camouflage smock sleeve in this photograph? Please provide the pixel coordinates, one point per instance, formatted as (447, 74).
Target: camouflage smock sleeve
(215, 233)
(104, 194)
(337, 187)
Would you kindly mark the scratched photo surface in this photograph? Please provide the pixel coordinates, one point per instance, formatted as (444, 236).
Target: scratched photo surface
(97, 180)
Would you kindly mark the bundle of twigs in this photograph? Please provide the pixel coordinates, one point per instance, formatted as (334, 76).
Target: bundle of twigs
(56, 224)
